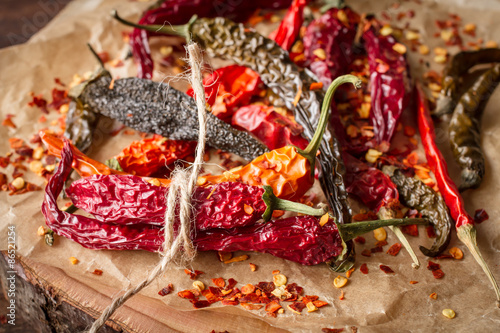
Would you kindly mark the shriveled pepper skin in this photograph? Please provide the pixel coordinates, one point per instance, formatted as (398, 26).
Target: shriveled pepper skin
(465, 139)
(284, 169)
(131, 200)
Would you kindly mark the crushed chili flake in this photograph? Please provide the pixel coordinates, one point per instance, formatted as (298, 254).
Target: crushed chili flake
(167, 290)
(432, 266)
(319, 304)
(250, 306)
(332, 330)
(237, 259)
(248, 289)
(394, 249)
(16, 143)
(224, 256)
(273, 306)
(363, 269)
(200, 304)
(444, 256)
(8, 121)
(4, 161)
(376, 249)
(480, 215)
(253, 267)
(438, 273)
(366, 253)
(97, 272)
(433, 296)
(39, 102)
(231, 283)
(381, 243)
(386, 269)
(219, 282)
(413, 282)
(193, 274)
(188, 294)
(360, 240)
(341, 297)
(349, 272)
(411, 230)
(431, 233)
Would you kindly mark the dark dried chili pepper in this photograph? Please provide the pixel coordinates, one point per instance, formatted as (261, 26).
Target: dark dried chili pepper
(153, 107)
(417, 195)
(463, 221)
(301, 239)
(289, 29)
(289, 170)
(459, 64)
(270, 127)
(465, 125)
(126, 199)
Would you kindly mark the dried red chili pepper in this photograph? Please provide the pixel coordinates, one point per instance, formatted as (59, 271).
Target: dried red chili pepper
(124, 199)
(270, 127)
(386, 269)
(148, 156)
(328, 43)
(228, 88)
(289, 29)
(389, 82)
(463, 221)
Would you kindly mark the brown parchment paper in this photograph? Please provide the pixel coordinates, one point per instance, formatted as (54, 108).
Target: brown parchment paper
(376, 302)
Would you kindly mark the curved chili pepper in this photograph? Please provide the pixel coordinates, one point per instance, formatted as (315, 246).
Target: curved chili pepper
(463, 221)
(289, 170)
(431, 205)
(126, 199)
(459, 64)
(464, 128)
(301, 239)
(289, 29)
(270, 127)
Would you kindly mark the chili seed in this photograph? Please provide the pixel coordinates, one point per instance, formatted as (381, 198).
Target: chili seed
(154, 181)
(311, 307)
(449, 313)
(199, 285)
(424, 50)
(364, 110)
(279, 280)
(456, 253)
(446, 35)
(399, 48)
(372, 155)
(64, 108)
(412, 35)
(470, 28)
(281, 311)
(324, 219)
(73, 260)
(339, 281)
(320, 53)
(18, 183)
(386, 30)
(166, 50)
(50, 167)
(253, 267)
(36, 166)
(40, 231)
(37, 153)
(440, 51)
(440, 59)
(380, 234)
(491, 44)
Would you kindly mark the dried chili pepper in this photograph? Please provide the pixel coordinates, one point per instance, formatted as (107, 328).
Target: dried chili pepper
(301, 239)
(389, 82)
(328, 43)
(463, 221)
(459, 64)
(228, 88)
(465, 126)
(153, 107)
(289, 170)
(126, 199)
(289, 29)
(417, 195)
(270, 127)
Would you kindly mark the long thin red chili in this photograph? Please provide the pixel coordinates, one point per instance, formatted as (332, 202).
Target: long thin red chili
(289, 28)
(463, 221)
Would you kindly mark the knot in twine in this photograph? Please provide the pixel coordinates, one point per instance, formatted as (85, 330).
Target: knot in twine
(180, 192)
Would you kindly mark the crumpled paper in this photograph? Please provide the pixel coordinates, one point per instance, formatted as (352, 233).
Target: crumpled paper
(376, 302)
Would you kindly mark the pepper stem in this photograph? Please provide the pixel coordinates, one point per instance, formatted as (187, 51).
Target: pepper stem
(467, 234)
(312, 148)
(176, 30)
(352, 230)
(96, 56)
(399, 234)
(274, 203)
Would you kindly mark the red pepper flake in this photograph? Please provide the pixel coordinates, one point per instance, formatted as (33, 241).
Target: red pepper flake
(219, 282)
(366, 253)
(223, 256)
(376, 249)
(409, 131)
(360, 240)
(432, 266)
(24, 151)
(444, 256)
(231, 283)
(253, 267)
(167, 290)
(319, 304)
(188, 294)
(4, 161)
(386, 269)
(349, 272)
(332, 330)
(250, 306)
(193, 274)
(394, 249)
(247, 289)
(431, 233)
(278, 213)
(8, 121)
(230, 302)
(411, 230)
(97, 272)
(39, 102)
(104, 56)
(433, 296)
(273, 306)
(438, 274)
(16, 143)
(297, 306)
(363, 269)
(316, 86)
(480, 215)
(413, 282)
(341, 297)
(200, 304)
(381, 243)
(59, 98)
(59, 82)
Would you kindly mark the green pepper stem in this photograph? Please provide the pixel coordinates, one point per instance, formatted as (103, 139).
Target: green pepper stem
(467, 234)
(176, 30)
(274, 203)
(352, 230)
(312, 148)
(96, 56)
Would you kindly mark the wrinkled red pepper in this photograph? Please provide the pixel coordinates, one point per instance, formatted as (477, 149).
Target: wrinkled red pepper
(389, 82)
(270, 127)
(464, 223)
(328, 43)
(289, 29)
(178, 12)
(230, 87)
(148, 156)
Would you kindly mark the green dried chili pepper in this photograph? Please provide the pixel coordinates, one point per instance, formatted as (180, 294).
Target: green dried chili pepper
(153, 107)
(456, 67)
(464, 128)
(415, 194)
(222, 38)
